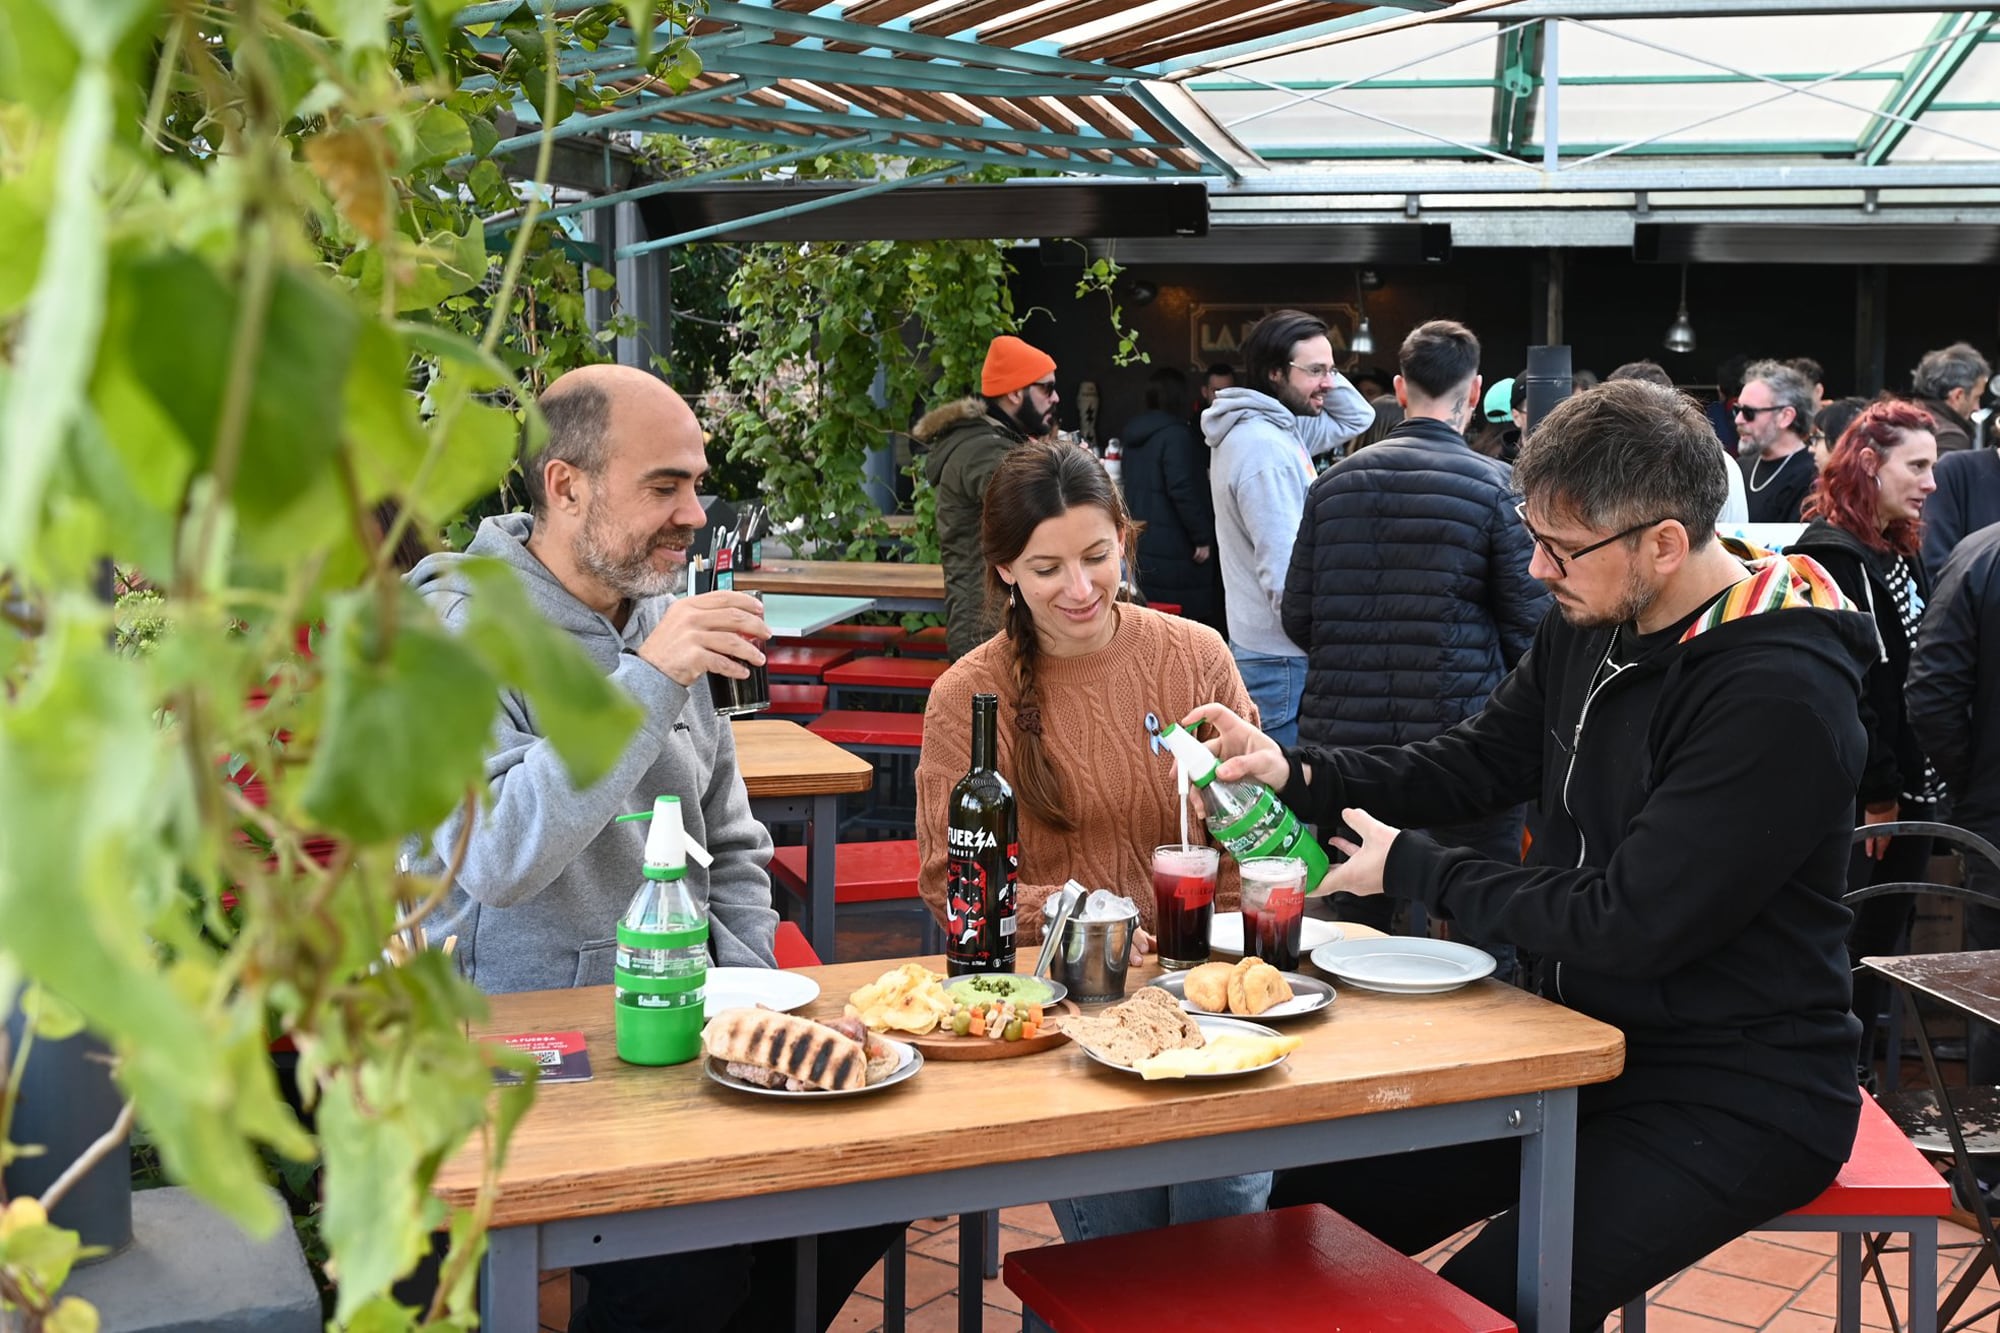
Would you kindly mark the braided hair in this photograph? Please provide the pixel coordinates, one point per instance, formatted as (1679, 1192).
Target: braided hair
(1033, 484)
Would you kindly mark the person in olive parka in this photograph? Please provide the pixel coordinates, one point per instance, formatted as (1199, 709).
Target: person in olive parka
(967, 439)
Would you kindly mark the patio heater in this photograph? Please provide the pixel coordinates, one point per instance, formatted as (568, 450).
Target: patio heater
(1680, 333)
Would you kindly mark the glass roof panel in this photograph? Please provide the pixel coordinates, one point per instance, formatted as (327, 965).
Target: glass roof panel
(1978, 79)
(1702, 113)
(1818, 44)
(1426, 53)
(1290, 121)
(1981, 126)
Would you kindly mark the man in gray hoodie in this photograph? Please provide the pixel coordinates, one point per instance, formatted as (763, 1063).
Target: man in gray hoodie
(548, 872)
(1263, 435)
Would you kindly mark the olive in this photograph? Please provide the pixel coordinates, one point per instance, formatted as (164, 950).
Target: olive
(961, 1022)
(1013, 1032)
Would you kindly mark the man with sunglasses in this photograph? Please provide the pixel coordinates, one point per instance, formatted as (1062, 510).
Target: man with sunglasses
(1293, 406)
(1774, 420)
(1674, 889)
(967, 439)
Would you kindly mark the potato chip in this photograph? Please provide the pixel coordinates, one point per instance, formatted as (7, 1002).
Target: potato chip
(910, 998)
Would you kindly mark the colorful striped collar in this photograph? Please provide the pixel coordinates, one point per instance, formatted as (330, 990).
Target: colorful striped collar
(1775, 583)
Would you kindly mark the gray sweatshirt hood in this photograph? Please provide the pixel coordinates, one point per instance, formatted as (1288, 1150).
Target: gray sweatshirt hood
(1236, 405)
(547, 871)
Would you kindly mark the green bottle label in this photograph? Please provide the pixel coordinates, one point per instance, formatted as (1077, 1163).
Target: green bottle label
(1270, 829)
(685, 938)
(658, 1020)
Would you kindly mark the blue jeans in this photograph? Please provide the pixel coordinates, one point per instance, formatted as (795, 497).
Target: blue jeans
(1098, 1215)
(1276, 685)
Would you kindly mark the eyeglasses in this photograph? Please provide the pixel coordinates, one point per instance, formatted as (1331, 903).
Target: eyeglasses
(1314, 372)
(1048, 387)
(1561, 562)
(1749, 413)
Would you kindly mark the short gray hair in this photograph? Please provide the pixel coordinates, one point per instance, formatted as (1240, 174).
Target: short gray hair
(579, 419)
(1959, 366)
(1627, 452)
(1788, 389)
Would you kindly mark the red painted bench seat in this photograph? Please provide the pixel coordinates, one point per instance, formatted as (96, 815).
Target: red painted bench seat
(1884, 1174)
(878, 638)
(1292, 1268)
(886, 673)
(855, 726)
(924, 643)
(787, 660)
(789, 700)
(863, 872)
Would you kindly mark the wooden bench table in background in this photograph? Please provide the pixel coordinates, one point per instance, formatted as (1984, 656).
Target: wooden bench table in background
(793, 775)
(893, 586)
(655, 1161)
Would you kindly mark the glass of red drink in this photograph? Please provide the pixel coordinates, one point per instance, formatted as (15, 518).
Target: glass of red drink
(1184, 902)
(1274, 909)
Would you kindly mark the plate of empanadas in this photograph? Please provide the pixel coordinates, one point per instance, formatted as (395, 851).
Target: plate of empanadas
(1251, 988)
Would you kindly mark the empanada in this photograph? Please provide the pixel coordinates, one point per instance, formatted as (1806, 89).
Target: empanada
(1207, 987)
(1264, 986)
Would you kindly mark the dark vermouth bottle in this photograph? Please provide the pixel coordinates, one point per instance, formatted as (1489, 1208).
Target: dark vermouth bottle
(984, 862)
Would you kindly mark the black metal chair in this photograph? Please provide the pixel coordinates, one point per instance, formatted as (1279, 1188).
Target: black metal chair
(1970, 1126)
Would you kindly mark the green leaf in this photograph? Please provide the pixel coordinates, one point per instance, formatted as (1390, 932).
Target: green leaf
(484, 135)
(381, 426)
(639, 18)
(38, 62)
(372, 1216)
(475, 367)
(63, 320)
(479, 446)
(405, 723)
(357, 25)
(24, 216)
(55, 1019)
(440, 135)
(71, 1315)
(586, 718)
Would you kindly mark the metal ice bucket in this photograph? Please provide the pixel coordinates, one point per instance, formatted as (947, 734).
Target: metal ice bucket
(1093, 956)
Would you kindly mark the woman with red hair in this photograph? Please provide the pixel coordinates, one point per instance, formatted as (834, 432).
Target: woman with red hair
(1866, 525)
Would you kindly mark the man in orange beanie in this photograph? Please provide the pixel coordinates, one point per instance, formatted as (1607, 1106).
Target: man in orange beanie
(967, 440)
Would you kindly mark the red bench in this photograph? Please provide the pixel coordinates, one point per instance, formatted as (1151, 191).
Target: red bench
(874, 638)
(924, 643)
(867, 731)
(788, 661)
(1886, 1186)
(905, 678)
(1166, 608)
(863, 872)
(1304, 1267)
(789, 700)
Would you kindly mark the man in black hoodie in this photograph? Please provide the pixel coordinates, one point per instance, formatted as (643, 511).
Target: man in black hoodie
(1706, 927)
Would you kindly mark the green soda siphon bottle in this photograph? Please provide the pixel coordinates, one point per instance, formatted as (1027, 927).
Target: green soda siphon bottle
(1246, 816)
(661, 967)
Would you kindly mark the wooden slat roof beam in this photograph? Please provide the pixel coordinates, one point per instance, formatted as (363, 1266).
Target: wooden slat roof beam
(1055, 118)
(1273, 24)
(1094, 115)
(1034, 27)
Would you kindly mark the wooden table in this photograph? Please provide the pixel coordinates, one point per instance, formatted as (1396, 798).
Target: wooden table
(793, 775)
(655, 1161)
(893, 586)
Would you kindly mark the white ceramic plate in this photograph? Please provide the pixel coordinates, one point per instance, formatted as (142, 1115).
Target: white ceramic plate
(1211, 1026)
(1404, 965)
(1225, 933)
(1309, 996)
(750, 987)
(912, 1060)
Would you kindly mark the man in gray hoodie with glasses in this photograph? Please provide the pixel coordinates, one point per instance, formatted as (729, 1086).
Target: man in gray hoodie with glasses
(1293, 406)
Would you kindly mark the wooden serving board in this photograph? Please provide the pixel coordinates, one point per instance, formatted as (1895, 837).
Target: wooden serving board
(949, 1046)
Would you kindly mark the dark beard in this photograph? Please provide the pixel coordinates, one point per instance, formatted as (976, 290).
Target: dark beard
(1031, 423)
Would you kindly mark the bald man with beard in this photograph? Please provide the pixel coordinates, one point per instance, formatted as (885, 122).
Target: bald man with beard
(615, 503)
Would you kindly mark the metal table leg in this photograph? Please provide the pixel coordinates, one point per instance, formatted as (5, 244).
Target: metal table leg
(971, 1272)
(822, 837)
(1548, 1217)
(510, 1281)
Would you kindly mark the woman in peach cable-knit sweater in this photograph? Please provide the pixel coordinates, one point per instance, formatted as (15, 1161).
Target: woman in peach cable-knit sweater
(1084, 681)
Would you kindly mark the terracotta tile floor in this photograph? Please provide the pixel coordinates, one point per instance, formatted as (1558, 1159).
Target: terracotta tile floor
(1773, 1281)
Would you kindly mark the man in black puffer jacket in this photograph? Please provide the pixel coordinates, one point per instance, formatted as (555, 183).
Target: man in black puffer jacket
(1166, 488)
(1409, 585)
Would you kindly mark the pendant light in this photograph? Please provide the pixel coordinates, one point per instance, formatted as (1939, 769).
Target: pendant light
(1680, 333)
(1363, 341)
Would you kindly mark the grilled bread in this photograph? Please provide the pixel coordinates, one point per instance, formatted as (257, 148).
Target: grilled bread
(806, 1053)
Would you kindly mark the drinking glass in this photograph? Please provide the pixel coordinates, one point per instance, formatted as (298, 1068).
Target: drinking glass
(1184, 902)
(739, 698)
(1274, 909)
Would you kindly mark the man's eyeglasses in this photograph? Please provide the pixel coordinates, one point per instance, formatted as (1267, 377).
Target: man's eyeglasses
(1561, 562)
(1749, 413)
(1314, 372)
(1048, 387)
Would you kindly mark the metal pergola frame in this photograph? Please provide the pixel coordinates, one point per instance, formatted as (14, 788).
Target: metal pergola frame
(1116, 89)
